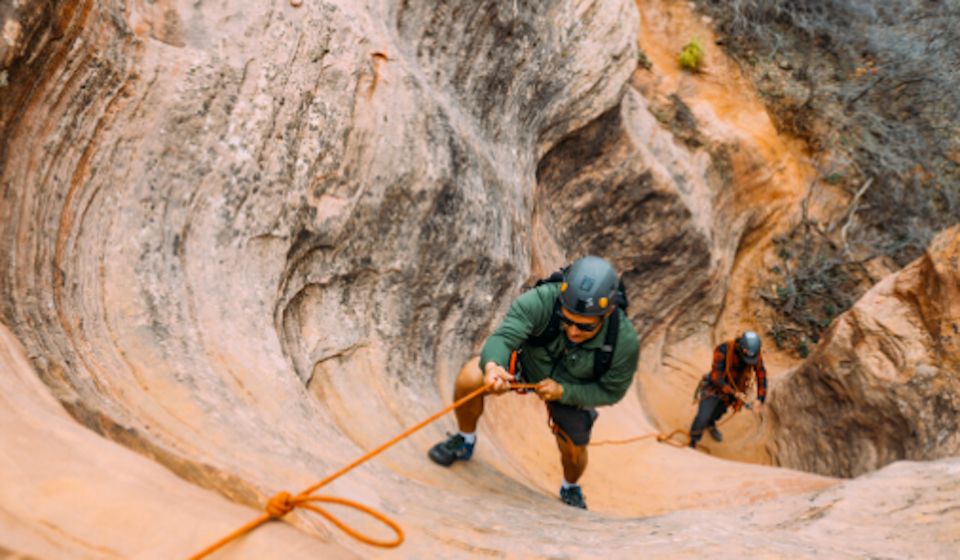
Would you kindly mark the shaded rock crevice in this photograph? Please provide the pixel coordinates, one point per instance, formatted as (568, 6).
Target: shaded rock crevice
(598, 193)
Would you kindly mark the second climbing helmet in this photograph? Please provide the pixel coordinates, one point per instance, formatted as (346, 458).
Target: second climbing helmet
(749, 344)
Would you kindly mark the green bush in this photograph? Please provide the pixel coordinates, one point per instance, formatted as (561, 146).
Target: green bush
(643, 61)
(691, 56)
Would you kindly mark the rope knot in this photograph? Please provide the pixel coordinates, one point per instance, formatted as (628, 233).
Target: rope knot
(280, 505)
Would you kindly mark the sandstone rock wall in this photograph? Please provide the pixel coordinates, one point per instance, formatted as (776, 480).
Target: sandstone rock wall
(69, 493)
(883, 385)
(249, 241)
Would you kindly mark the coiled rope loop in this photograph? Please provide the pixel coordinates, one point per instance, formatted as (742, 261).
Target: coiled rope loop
(283, 503)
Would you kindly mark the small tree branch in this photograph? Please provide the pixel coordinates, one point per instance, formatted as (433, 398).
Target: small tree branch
(848, 219)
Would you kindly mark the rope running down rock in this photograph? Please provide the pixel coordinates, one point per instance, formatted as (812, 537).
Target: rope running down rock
(283, 502)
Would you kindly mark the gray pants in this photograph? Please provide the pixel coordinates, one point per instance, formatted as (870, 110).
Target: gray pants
(711, 409)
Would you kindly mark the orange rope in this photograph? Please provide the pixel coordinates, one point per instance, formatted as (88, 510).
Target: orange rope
(668, 439)
(626, 441)
(283, 503)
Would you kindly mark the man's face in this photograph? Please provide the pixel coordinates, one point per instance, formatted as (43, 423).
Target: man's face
(748, 359)
(579, 328)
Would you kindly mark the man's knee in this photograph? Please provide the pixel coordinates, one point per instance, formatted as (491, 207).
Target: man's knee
(470, 376)
(574, 454)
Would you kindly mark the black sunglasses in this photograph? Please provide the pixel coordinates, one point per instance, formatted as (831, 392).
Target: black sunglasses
(584, 327)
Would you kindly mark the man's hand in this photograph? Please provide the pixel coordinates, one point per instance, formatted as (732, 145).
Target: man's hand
(758, 407)
(501, 378)
(549, 390)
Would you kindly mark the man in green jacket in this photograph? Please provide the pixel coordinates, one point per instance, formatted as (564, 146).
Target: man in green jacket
(573, 339)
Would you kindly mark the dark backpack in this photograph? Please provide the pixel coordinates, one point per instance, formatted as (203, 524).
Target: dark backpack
(603, 356)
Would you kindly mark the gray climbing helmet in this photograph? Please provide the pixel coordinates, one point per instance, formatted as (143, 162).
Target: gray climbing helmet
(749, 345)
(589, 287)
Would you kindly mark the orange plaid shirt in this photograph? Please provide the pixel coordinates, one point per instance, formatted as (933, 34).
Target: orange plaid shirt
(739, 374)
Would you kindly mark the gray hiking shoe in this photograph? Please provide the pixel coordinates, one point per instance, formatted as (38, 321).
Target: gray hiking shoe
(454, 448)
(715, 434)
(573, 496)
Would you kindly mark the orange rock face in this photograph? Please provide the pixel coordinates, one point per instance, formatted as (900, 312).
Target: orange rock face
(883, 384)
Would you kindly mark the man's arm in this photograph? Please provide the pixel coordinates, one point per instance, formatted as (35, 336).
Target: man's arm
(527, 313)
(761, 371)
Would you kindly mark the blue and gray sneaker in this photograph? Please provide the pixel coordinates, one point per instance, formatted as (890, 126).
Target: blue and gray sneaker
(715, 434)
(573, 496)
(455, 448)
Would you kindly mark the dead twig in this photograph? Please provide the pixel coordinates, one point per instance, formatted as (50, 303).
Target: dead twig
(848, 218)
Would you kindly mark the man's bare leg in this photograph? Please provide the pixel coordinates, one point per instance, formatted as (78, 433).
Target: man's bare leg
(459, 447)
(469, 380)
(573, 458)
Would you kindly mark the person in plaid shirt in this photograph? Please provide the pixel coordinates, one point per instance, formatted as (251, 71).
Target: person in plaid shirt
(727, 383)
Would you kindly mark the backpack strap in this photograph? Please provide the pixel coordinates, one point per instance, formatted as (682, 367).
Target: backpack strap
(555, 277)
(620, 298)
(603, 358)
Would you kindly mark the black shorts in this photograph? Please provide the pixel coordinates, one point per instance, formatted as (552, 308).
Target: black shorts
(576, 422)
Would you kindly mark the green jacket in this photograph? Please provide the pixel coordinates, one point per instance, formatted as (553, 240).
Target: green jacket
(528, 316)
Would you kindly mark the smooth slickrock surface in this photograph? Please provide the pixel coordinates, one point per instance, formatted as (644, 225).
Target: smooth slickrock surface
(68, 493)
(242, 243)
